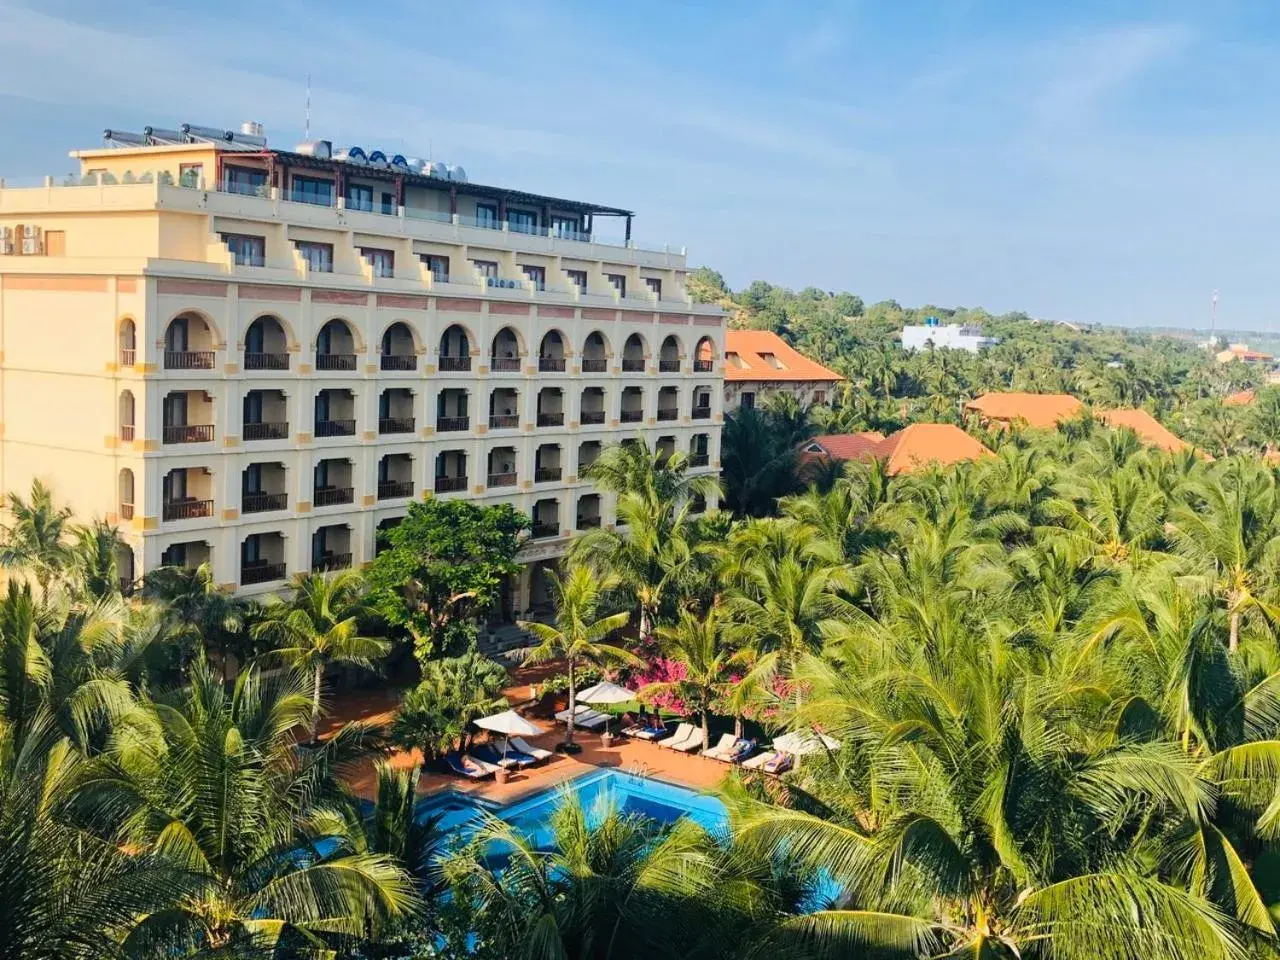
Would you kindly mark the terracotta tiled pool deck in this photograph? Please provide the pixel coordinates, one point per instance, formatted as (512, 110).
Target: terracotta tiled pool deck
(632, 755)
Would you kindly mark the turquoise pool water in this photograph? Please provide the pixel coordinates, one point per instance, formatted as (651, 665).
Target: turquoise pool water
(644, 796)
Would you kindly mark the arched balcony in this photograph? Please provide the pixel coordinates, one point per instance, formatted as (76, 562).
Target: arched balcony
(504, 409)
(502, 467)
(455, 350)
(668, 403)
(595, 354)
(669, 356)
(451, 471)
(266, 345)
(633, 354)
(125, 494)
(704, 357)
(399, 349)
(551, 353)
(504, 357)
(189, 343)
(336, 347)
(128, 343)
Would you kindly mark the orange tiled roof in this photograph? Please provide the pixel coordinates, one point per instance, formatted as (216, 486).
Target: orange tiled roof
(1241, 399)
(911, 448)
(749, 348)
(1042, 410)
(1146, 426)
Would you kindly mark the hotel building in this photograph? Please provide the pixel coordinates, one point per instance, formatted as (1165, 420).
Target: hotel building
(258, 358)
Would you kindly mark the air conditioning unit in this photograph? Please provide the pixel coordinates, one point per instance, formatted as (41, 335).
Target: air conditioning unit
(30, 231)
(31, 247)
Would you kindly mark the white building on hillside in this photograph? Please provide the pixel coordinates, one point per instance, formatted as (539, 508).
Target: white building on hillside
(953, 336)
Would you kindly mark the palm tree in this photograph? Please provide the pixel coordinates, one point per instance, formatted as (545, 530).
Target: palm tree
(96, 558)
(198, 611)
(36, 538)
(319, 625)
(216, 787)
(1230, 531)
(579, 635)
(697, 644)
(635, 468)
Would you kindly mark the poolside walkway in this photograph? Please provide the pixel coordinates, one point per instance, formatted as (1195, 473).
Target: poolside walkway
(631, 755)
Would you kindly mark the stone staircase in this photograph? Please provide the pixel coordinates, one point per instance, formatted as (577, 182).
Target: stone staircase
(503, 643)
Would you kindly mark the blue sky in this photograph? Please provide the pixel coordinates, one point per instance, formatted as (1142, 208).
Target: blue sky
(1111, 162)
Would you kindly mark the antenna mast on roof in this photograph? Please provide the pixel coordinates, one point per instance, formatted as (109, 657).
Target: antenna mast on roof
(306, 123)
(1213, 315)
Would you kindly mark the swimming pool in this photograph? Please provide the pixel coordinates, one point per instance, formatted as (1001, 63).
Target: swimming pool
(643, 796)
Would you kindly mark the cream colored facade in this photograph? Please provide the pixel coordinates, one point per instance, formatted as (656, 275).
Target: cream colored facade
(270, 418)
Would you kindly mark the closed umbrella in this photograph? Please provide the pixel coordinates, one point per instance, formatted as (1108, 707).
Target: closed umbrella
(509, 724)
(606, 692)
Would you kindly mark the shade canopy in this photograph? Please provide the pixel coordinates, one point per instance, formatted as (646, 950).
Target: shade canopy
(606, 692)
(510, 723)
(801, 742)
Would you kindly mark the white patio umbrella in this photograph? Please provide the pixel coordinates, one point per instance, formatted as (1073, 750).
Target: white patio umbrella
(604, 693)
(801, 742)
(509, 724)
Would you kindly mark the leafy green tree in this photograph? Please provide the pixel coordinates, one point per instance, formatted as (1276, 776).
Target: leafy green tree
(454, 692)
(319, 625)
(95, 558)
(215, 787)
(579, 636)
(443, 568)
(199, 612)
(697, 643)
(36, 538)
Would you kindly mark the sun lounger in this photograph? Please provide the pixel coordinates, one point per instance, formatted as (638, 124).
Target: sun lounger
(780, 763)
(683, 732)
(487, 753)
(468, 767)
(585, 717)
(579, 710)
(722, 749)
(656, 732)
(741, 750)
(758, 761)
(693, 743)
(531, 751)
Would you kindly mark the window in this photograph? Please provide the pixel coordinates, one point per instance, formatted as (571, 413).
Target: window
(359, 197)
(189, 174)
(487, 215)
(819, 396)
(619, 283)
(439, 266)
(569, 228)
(319, 256)
(247, 251)
(486, 268)
(389, 203)
(312, 190)
(382, 261)
(522, 221)
(578, 278)
(772, 361)
(654, 285)
(537, 274)
(251, 479)
(244, 180)
(175, 555)
(749, 400)
(253, 406)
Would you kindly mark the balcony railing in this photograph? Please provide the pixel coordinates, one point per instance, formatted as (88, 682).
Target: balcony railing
(261, 571)
(335, 428)
(278, 430)
(187, 509)
(505, 364)
(126, 432)
(633, 366)
(399, 361)
(542, 530)
(668, 366)
(126, 511)
(502, 479)
(454, 364)
(450, 484)
(588, 523)
(594, 364)
(702, 413)
(395, 425)
(332, 496)
(589, 417)
(188, 359)
(452, 424)
(331, 561)
(667, 413)
(703, 366)
(504, 421)
(263, 502)
(699, 459)
(631, 416)
(335, 361)
(127, 357)
(547, 474)
(551, 419)
(187, 433)
(266, 361)
(551, 364)
(394, 489)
